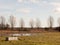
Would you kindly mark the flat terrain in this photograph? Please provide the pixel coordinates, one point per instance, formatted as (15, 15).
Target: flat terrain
(47, 38)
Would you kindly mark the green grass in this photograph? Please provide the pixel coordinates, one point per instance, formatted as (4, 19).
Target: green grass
(51, 38)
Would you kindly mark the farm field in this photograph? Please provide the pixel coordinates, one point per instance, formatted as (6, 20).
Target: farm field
(47, 38)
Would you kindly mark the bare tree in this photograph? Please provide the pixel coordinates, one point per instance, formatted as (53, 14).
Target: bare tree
(50, 21)
(7, 26)
(59, 21)
(22, 23)
(59, 24)
(12, 21)
(32, 23)
(2, 25)
(38, 23)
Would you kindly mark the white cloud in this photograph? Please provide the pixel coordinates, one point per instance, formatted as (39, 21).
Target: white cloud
(35, 1)
(19, 1)
(23, 10)
(56, 9)
(56, 4)
(32, 1)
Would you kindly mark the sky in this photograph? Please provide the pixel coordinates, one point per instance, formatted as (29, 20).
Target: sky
(31, 9)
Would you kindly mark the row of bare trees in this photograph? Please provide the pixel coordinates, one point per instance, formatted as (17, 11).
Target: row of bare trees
(12, 20)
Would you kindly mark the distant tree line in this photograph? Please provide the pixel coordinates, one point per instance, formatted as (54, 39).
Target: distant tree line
(37, 23)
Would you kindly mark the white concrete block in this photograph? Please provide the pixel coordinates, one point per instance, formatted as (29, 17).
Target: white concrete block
(12, 38)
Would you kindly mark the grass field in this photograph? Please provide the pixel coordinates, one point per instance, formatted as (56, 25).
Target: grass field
(47, 38)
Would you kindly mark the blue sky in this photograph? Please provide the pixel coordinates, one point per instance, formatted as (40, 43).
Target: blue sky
(31, 9)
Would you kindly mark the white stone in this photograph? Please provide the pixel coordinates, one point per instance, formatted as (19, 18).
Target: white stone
(12, 38)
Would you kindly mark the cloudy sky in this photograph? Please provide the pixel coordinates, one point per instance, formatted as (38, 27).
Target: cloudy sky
(31, 9)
